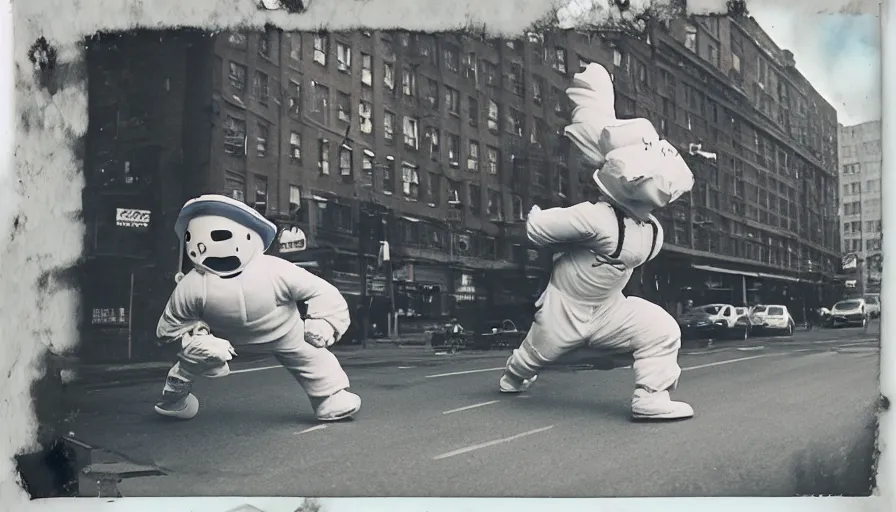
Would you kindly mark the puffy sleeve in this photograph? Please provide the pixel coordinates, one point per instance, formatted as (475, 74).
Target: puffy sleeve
(323, 300)
(593, 225)
(183, 312)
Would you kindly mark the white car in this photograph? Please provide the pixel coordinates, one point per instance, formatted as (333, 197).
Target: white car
(851, 312)
(773, 317)
(872, 305)
(713, 321)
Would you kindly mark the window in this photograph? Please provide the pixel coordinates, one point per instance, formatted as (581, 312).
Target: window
(562, 181)
(452, 58)
(452, 100)
(389, 76)
(365, 113)
(321, 48)
(492, 164)
(389, 177)
(690, 37)
(261, 194)
(344, 107)
(714, 55)
(367, 70)
(473, 111)
(453, 150)
(560, 60)
(536, 131)
(517, 204)
(493, 116)
(515, 76)
(410, 132)
(617, 58)
(454, 194)
(367, 166)
(237, 40)
(320, 99)
(295, 47)
(434, 189)
(295, 147)
(234, 136)
(490, 73)
(432, 93)
(261, 87)
(235, 185)
(237, 77)
(410, 182)
(473, 157)
(495, 212)
(557, 97)
(408, 82)
(475, 199)
(295, 99)
(295, 199)
(323, 156)
(469, 66)
(389, 126)
(515, 122)
(432, 136)
(345, 164)
(537, 89)
(264, 44)
(343, 57)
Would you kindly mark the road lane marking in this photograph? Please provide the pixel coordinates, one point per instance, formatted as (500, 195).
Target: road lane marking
(727, 361)
(474, 406)
(405, 367)
(464, 372)
(468, 449)
(247, 370)
(312, 429)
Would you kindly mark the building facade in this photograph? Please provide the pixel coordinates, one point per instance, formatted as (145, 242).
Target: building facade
(861, 213)
(440, 144)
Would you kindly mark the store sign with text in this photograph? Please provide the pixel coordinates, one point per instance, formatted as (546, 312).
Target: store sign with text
(292, 240)
(132, 218)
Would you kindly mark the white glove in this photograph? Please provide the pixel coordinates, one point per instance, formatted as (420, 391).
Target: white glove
(319, 333)
(201, 346)
(535, 209)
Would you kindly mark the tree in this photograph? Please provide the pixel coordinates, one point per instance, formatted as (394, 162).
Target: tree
(310, 505)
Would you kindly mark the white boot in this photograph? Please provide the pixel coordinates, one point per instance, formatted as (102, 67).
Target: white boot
(338, 406)
(185, 408)
(510, 383)
(648, 405)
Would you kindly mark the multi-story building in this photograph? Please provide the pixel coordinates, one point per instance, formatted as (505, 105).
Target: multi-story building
(860, 197)
(440, 144)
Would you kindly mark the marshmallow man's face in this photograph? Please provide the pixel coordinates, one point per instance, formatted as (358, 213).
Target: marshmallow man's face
(220, 246)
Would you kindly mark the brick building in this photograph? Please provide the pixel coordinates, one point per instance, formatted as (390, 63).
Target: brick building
(441, 144)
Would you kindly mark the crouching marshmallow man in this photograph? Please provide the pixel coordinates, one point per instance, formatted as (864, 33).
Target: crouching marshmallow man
(596, 248)
(236, 296)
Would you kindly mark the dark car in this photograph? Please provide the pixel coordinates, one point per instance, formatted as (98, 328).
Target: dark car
(698, 324)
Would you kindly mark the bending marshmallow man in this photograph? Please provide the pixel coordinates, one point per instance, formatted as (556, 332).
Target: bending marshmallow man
(238, 297)
(597, 247)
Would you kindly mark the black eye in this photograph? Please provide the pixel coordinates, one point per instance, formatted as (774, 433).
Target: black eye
(248, 236)
(187, 236)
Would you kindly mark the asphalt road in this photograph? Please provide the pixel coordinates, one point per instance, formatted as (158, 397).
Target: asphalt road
(775, 417)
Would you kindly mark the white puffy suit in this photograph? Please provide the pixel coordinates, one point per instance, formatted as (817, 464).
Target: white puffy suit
(598, 246)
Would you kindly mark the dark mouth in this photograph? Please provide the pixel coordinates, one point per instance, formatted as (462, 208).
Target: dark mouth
(222, 264)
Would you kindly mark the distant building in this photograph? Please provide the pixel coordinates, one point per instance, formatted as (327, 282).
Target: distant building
(861, 213)
(441, 144)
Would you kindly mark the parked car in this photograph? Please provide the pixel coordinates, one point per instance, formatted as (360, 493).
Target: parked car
(772, 318)
(849, 313)
(711, 321)
(872, 305)
(743, 324)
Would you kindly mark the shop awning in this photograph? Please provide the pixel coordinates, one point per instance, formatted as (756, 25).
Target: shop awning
(782, 278)
(709, 268)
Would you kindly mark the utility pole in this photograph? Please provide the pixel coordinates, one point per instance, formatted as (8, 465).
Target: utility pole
(363, 239)
(864, 267)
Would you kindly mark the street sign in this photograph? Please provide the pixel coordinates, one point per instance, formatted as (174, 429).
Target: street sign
(850, 261)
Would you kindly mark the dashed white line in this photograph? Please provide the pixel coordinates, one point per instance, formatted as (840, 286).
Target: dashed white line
(312, 429)
(474, 406)
(464, 372)
(247, 370)
(405, 367)
(468, 449)
(727, 361)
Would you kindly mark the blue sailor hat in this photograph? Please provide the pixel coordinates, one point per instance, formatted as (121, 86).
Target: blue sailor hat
(223, 206)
